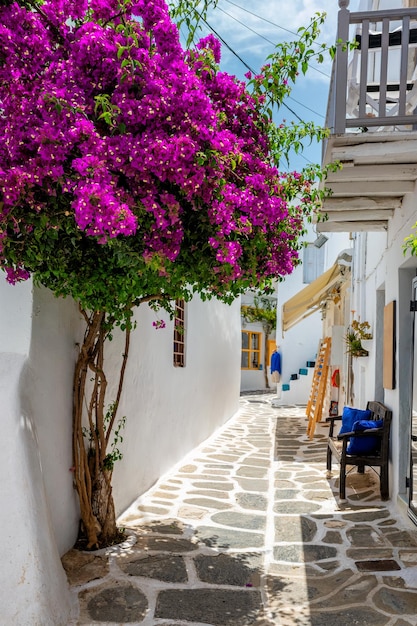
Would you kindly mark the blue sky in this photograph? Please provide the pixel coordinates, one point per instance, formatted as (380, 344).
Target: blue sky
(252, 30)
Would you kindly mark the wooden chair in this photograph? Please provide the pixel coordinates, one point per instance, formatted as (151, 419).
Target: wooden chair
(337, 448)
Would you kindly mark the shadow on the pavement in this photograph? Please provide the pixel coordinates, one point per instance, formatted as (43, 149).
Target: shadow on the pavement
(335, 563)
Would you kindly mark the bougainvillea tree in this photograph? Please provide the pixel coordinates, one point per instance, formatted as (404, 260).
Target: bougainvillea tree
(131, 171)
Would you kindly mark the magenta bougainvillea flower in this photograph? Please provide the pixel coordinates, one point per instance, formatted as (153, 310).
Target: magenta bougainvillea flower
(120, 150)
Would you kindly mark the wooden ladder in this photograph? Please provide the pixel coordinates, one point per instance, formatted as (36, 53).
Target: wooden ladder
(318, 387)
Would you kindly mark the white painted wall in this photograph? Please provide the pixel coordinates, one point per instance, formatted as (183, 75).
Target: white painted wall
(56, 328)
(381, 274)
(15, 316)
(299, 344)
(33, 586)
(171, 410)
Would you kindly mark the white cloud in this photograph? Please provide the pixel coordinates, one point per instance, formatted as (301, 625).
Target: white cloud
(277, 17)
(252, 31)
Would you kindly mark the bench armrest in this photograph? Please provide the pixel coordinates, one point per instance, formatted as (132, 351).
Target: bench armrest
(333, 418)
(362, 433)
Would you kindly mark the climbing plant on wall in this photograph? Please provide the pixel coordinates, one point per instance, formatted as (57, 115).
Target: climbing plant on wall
(133, 171)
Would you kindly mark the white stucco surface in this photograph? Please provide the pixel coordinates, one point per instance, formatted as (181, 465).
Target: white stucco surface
(169, 409)
(15, 316)
(33, 586)
(47, 397)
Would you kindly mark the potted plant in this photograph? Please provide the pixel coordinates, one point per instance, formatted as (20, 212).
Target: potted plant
(356, 334)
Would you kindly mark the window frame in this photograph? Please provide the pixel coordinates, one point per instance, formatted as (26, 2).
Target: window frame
(313, 263)
(250, 351)
(178, 356)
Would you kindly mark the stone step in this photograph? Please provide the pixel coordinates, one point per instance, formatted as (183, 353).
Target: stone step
(297, 390)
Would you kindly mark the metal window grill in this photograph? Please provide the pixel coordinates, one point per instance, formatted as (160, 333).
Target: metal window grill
(179, 333)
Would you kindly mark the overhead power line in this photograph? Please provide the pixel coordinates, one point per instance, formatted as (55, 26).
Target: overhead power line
(261, 18)
(263, 36)
(264, 19)
(248, 67)
(224, 42)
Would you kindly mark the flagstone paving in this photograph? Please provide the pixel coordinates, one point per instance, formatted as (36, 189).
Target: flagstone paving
(248, 530)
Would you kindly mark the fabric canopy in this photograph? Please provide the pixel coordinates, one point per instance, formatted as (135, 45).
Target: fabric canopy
(308, 300)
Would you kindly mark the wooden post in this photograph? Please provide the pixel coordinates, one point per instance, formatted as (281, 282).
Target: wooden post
(341, 67)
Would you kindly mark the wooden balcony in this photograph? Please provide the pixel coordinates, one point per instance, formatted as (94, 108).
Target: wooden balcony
(372, 117)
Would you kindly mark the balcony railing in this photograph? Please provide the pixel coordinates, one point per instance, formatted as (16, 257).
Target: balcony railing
(374, 87)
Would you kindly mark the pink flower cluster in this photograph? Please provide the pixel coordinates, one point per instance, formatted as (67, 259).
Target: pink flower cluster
(159, 324)
(106, 121)
(16, 274)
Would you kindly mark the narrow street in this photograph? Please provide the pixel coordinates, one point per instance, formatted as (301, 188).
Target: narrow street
(248, 530)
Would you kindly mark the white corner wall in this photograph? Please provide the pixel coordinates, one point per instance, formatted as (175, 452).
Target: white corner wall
(33, 586)
(47, 396)
(15, 316)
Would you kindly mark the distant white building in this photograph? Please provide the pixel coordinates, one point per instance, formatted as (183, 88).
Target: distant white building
(299, 322)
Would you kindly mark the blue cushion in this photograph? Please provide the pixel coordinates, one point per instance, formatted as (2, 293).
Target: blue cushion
(350, 416)
(364, 445)
(366, 425)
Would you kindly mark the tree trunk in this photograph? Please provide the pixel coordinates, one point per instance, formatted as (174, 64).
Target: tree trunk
(103, 507)
(93, 422)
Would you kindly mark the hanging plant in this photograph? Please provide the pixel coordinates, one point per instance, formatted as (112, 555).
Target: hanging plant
(357, 332)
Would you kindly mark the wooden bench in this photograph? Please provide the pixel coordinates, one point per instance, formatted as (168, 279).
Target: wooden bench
(337, 448)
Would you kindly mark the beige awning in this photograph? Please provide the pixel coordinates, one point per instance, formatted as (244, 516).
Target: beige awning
(308, 300)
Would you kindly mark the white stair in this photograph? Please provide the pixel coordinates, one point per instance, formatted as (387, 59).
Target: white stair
(299, 389)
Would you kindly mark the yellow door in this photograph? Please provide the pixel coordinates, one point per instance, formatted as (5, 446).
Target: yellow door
(272, 345)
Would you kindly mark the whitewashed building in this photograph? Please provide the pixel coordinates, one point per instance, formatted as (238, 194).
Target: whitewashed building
(373, 122)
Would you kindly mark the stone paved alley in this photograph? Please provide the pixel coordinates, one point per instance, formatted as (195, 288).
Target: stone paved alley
(248, 530)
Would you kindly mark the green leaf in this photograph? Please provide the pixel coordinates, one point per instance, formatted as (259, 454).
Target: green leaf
(121, 50)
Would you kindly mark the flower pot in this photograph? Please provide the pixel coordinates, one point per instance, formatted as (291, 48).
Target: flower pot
(357, 349)
(360, 353)
(367, 344)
